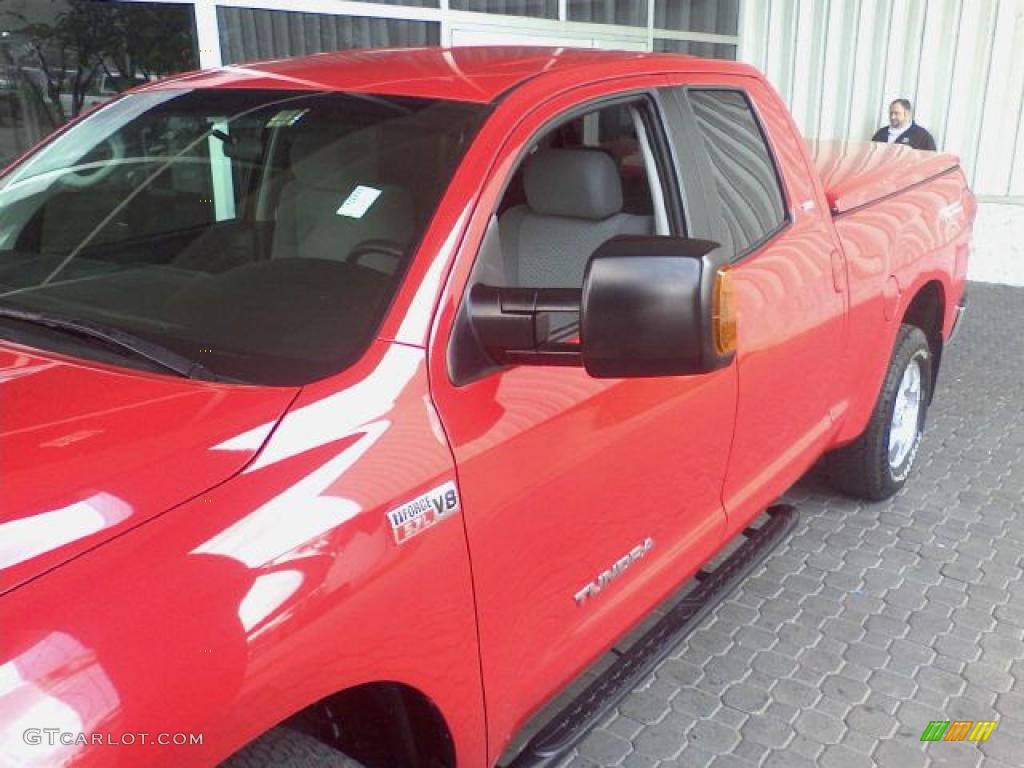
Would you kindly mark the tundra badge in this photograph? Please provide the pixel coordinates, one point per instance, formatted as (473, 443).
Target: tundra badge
(610, 574)
(421, 513)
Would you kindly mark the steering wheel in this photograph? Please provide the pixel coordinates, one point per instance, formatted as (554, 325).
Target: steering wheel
(375, 247)
(91, 171)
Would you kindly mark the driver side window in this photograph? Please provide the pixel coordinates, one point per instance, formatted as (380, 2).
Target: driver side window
(582, 182)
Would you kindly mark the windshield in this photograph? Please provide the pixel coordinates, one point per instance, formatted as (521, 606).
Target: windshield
(261, 233)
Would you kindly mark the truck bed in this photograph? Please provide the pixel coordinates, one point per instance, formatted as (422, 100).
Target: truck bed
(858, 173)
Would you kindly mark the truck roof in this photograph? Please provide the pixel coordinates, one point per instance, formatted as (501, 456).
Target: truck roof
(473, 74)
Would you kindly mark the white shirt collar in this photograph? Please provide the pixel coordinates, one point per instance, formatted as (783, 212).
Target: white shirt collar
(895, 133)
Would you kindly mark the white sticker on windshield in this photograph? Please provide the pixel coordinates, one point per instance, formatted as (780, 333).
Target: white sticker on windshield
(359, 202)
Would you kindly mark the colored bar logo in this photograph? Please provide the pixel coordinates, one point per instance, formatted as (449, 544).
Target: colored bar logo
(958, 730)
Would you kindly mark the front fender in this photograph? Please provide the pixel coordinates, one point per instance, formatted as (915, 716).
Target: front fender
(285, 584)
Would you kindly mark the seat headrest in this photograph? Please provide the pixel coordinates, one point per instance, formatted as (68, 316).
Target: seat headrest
(578, 183)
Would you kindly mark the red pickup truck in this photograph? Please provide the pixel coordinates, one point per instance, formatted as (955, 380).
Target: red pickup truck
(352, 406)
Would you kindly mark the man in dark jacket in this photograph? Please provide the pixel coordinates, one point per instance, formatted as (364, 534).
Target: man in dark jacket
(902, 129)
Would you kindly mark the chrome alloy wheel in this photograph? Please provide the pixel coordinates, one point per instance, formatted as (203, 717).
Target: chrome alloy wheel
(906, 417)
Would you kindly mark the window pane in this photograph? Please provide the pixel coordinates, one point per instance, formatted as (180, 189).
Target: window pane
(262, 232)
(632, 12)
(59, 58)
(696, 48)
(546, 9)
(551, 228)
(250, 35)
(748, 186)
(720, 17)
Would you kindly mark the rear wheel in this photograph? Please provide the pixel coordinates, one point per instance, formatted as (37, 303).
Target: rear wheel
(287, 748)
(876, 465)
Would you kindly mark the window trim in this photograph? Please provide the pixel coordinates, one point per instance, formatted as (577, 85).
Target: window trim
(655, 120)
(787, 215)
(653, 171)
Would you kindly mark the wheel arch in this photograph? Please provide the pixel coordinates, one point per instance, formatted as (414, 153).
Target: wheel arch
(379, 723)
(927, 311)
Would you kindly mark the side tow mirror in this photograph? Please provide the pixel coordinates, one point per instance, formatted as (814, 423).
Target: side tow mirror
(657, 306)
(650, 306)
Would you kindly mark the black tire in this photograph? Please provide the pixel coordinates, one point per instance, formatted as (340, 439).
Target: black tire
(288, 748)
(863, 468)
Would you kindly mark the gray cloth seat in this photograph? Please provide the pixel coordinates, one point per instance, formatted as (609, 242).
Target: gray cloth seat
(573, 205)
(327, 171)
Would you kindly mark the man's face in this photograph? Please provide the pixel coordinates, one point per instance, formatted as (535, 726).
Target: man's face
(897, 115)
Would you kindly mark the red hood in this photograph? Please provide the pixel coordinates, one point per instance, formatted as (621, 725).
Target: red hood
(856, 173)
(88, 451)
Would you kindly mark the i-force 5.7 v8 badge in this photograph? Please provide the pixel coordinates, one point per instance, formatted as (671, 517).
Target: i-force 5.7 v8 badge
(421, 513)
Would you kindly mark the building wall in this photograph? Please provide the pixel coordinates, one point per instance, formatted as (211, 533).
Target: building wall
(36, 96)
(839, 63)
(232, 31)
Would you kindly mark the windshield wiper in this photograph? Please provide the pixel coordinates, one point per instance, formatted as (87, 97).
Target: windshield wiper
(114, 337)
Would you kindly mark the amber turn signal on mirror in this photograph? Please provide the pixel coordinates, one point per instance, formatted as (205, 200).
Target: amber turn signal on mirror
(723, 313)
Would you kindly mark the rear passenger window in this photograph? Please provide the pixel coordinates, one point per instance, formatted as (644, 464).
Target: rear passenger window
(748, 185)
